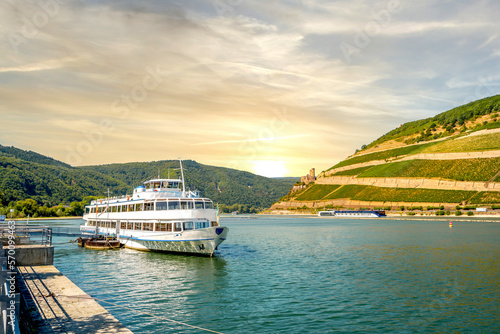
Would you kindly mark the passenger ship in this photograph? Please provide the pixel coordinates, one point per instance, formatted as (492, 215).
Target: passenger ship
(158, 216)
(352, 213)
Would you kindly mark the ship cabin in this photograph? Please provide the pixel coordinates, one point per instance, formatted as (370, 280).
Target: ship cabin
(162, 184)
(154, 195)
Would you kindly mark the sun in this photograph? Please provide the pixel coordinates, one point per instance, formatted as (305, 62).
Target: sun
(269, 168)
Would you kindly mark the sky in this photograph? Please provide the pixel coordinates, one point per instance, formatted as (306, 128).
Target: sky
(270, 87)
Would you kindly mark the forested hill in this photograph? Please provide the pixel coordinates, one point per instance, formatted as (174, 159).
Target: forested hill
(223, 185)
(11, 151)
(26, 174)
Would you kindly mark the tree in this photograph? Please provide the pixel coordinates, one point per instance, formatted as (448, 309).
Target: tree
(27, 207)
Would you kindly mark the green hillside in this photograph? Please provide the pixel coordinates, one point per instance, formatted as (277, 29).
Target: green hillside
(450, 127)
(452, 121)
(29, 175)
(50, 184)
(11, 151)
(460, 170)
(447, 147)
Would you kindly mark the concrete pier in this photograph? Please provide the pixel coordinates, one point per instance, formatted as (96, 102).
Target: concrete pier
(63, 306)
(34, 255)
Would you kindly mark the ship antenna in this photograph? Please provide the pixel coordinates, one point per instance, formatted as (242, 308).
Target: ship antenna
(182, 176)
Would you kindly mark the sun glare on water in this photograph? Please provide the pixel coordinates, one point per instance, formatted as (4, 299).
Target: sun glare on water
(269, 168)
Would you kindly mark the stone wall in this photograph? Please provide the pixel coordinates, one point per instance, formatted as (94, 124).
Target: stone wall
(351, 204)
(412, 183)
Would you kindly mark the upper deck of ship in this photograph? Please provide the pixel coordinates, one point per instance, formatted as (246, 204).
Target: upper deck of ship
(153, 189)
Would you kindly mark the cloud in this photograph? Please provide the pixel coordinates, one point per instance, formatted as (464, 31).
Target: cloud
(263, 139)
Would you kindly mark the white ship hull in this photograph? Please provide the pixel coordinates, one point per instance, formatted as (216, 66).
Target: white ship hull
(189, 242)
(202, 242)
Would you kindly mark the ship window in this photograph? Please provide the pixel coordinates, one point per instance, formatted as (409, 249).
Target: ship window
(173, 205)
(123, 225)
(198, 225)
(87, 210)
(131, 207)
(138, 207)
(198, 205)
(124, 208)
(157, 185)
(113, 224)
(165, 227)
(119, 208)
(177, 227)
(149, 206)
(138, 226)
(190, 205)
(113, 208)
(147, 226)
(184, 205)
(188, 226)
(130, 226)
(209, 205)
(161, 205)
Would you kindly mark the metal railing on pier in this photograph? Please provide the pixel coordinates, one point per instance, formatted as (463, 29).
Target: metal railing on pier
(24, 234)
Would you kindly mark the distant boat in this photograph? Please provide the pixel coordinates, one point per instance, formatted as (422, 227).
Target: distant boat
(328, 213)
(159, 216)
(353, 213)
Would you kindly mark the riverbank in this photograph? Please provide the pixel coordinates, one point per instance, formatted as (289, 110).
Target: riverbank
(394, 216)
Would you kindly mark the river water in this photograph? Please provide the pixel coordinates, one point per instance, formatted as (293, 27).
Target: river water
(304, 275)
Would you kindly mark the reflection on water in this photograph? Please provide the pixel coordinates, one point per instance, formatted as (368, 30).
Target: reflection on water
(298, 275)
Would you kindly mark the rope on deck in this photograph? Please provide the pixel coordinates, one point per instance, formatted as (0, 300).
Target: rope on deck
(142, 312)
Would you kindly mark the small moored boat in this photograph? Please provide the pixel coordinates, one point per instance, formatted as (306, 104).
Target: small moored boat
(100, 242)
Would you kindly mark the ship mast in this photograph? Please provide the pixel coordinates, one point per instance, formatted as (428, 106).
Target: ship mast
(182, 176)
